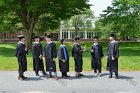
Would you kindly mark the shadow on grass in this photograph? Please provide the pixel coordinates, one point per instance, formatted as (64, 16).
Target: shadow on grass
(123, 52)
(9, 52)
(130, 52)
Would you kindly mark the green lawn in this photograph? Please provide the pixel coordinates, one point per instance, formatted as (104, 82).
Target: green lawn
(129, 57)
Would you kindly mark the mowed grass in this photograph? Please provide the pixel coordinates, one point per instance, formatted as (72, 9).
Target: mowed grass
(129, 57)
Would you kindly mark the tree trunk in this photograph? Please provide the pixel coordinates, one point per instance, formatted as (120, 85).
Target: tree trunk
(28, 33)
(4, 36)
(28, 19)
(28, 36)
(76, 32)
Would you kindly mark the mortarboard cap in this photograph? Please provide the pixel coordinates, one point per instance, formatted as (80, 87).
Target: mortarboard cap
(77, 38)
(36, 37)
(21, 36)
(96, 37)
(62, 40)
(112, 35)
(48, 36)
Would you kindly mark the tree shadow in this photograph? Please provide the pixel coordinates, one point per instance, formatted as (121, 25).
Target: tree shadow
(130, 52)
(7, 52)
(44, 76)
(10, 52)
(33, 79)
(81, 77)
(120, 76)
(125, 77)
(104, 74)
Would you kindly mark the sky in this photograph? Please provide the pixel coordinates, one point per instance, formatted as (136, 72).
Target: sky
(99, 6)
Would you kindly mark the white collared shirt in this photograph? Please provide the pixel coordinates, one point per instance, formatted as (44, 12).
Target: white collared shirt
(113, 41)
(76, 43)
(36, 42)
(62, 45)
(21, 42)
(95, 44)
(49, 42)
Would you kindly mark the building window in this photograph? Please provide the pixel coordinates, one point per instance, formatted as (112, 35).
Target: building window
(98, 34)
(65, 34)
(72, 34)
(7, 37)
(82, 34)
(89, 34)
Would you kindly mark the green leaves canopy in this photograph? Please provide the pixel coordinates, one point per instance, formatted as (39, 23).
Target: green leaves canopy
(124, 15)
(46, 12)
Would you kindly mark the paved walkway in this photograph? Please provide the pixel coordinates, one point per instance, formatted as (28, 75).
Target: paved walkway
(128, 82)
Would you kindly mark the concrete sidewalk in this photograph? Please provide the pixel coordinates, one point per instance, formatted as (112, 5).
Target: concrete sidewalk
(128, 82)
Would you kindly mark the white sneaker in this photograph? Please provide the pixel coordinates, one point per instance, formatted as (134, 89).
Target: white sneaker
(38, 76)
(95, 74)
(100, 74)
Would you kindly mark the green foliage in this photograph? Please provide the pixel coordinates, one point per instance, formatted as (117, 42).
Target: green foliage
(124, 15)
(80, 22)
(104, 29)
(9, 23)
(45, 13)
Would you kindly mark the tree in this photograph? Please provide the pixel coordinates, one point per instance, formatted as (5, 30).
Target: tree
(80, 22)
(124, 17)
(103, 30)
(8, 24)
(30, 12)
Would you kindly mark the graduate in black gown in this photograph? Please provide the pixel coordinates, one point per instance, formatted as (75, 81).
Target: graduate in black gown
(21, 52)
(50, 54)
(77, 53)
(112, 56)
(37, 56)
(96, 57)
(63, 59)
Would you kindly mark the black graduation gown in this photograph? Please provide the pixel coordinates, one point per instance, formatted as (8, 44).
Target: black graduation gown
(50, 52)
(21, 56)
(77, 52)
(41, 63)
(96, 56)
(64, 67)
(113, 51)
(37, 62)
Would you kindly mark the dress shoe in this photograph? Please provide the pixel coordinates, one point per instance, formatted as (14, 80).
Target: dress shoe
(24, 77)
(116, 77)
(56, 78)
(110, 76)
(20, 78)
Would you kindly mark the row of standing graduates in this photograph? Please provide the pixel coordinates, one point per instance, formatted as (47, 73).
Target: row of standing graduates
(50, 53)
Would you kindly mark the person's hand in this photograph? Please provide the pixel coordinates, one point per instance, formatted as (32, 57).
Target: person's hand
(40, 57)
(113, 58)
(106, 56)
(43, 58)
(53, 59)
(26, 48)
(64, 61)
(84, 49)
